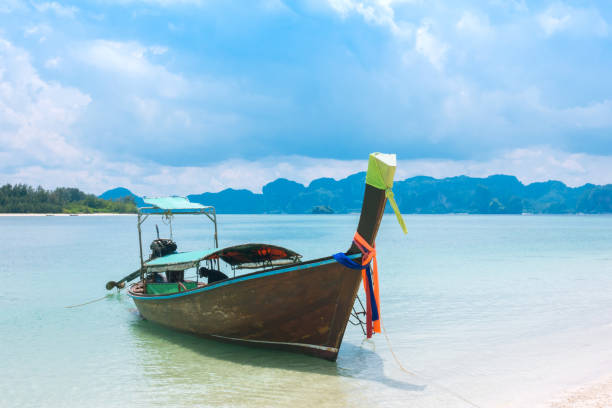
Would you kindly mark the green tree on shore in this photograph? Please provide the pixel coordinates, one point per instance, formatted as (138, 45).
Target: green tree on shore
(21, 198)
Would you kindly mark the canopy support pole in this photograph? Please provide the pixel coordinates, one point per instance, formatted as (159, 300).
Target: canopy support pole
(169, 216)
(140, 245)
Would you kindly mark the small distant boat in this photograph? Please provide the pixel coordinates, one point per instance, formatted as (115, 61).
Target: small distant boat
(286, 303)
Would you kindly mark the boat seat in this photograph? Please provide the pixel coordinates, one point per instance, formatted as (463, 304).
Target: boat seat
(167, 288)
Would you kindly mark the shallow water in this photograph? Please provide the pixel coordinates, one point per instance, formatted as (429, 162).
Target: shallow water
(502, 310)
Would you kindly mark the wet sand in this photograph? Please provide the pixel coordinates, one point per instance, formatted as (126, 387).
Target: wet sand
(595, 395)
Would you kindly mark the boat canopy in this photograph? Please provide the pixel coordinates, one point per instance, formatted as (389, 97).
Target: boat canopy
(178, 261)
(245, 256)
(167, 207)
(173, 203)
(251, 256)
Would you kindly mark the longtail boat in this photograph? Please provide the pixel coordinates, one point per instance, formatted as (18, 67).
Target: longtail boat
(288, 304)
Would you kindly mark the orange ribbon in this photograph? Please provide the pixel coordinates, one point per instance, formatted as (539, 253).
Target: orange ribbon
(369, 255)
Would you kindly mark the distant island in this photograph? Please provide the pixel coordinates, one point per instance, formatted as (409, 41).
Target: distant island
(322, 209)
(21, 198)
(498, 194)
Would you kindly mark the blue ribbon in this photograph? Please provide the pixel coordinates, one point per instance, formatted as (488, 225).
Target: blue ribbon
(341, 258)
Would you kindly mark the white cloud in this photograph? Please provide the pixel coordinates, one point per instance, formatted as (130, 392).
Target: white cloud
(164, 3)
(158, 50)
(514, 117)
(53, 63)
(532, 164)
(592, 116)
(148, 109)
(148, 178)
(552, 23)
(161, 101)
(516, 5)
(131, 59)
(560, 17)
(175, 27)
(430, 47)
(271, 5)
(41, 31)
(486, 101)
(8, 6)
(473, 24)
(232, 173)
(528, 164)
(58, 9)
(379, 12)
(35, 116)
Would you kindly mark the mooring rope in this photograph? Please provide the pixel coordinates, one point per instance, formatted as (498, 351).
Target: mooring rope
(86, 303)
(424, 378)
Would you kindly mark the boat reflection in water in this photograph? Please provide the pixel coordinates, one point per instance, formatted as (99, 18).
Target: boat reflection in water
(185, 370)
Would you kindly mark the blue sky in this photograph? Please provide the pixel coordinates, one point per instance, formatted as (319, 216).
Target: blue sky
(186, 96)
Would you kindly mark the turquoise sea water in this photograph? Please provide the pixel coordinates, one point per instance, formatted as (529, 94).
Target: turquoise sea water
(504, 310)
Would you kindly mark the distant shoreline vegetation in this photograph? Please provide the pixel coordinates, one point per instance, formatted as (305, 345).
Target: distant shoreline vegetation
(498, 194)
(24, 199)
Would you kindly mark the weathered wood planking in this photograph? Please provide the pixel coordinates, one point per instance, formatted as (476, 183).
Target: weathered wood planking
(303, 307)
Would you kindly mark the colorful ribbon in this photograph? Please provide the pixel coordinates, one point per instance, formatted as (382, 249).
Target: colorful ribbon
(370, 281)
(398, 214)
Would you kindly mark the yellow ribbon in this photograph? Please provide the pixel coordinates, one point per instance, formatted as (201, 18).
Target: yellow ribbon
(380, 175)
(400, 219)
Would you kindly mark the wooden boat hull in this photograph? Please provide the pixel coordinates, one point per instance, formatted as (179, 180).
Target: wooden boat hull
(302, 308)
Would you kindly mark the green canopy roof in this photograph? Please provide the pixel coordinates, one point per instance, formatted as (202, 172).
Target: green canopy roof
(250, 256)
(177, 261)
(172, 203)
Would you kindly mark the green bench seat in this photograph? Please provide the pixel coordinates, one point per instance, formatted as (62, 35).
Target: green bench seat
(168, 288)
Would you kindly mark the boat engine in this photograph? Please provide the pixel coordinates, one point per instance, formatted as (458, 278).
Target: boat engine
(162, 247)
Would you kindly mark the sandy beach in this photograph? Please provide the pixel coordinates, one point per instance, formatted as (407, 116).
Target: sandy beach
(594, 395)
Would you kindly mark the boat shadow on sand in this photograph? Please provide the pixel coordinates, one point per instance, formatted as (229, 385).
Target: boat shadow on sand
(353, 362)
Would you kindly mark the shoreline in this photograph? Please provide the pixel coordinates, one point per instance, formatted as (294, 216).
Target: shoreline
(594, 394)
(63, 214)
